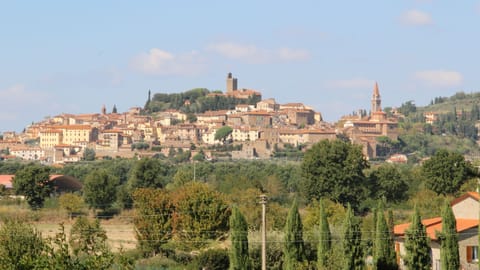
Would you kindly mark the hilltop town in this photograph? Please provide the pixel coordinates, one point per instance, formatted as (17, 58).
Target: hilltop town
(249, 131)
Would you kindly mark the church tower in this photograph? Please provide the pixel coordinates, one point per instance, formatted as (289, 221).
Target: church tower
(376, 100)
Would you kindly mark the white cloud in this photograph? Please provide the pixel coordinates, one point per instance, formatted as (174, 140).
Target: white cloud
(160, 62)
(291, 54)
(439, 78)
(253, 54)
(416, 17)
(17, 95)
(354, 83)
(16, 102)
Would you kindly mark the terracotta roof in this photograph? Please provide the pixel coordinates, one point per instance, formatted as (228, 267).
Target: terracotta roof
(470, 194)
(435, 224)
(257, 113)
(6, 179)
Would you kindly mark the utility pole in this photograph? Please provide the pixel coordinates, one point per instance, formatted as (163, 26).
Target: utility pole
(263, 202)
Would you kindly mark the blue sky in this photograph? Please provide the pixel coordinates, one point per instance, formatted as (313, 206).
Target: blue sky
(73, 57)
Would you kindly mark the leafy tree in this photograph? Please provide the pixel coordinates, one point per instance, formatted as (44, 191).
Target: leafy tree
(99, 189)
(383, 248)
(200, 213)
(222, 133)
(153, 219)
(445, 172)
(449, 256)
(149, 172)
(334, 170)
(352, 242)
(293, 250)
(417, 245)
(89, 243)
(389, 183)
(324, 239)
(21, 246)
(72, 203)
(408, 108)
(34, 183)
(114, 109)
(200, 156)
(89, 154)
(239, 259)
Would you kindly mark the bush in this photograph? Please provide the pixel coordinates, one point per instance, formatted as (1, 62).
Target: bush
(212, 259)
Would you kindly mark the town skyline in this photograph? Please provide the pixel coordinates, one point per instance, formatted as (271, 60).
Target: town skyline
(75, 57)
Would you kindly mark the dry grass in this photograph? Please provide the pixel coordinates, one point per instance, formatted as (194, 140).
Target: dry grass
(120, 229)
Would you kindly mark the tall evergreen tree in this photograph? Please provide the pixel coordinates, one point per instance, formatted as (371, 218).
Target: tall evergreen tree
(324, 239)
(392, 256)
(114, 109)
(449, 256)
(239, 259)
(382, 253)
(293, 250)
(417, 245)
(352, 242)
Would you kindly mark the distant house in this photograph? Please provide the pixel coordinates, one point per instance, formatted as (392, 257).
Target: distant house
(397, 158)
(466, 211)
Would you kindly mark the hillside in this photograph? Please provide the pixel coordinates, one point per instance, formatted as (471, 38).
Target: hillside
(460, 101)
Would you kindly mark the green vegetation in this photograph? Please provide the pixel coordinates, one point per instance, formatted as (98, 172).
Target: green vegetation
(196, 101)
(324, 239)
(34, 183)
(383, 243)
(334, 170)
(222, 133)
(352, 242)
(239, 259)
(153, 220)
(293, 249)
(449, 256)
(417, 245)
(446, 172)
(100, 189)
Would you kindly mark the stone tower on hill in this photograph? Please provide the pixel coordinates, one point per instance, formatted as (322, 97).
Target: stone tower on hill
(231, 83)
(376, 100)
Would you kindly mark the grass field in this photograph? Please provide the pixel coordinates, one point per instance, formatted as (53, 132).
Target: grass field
(120, 229)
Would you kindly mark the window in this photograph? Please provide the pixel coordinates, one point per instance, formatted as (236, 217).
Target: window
(472, 254)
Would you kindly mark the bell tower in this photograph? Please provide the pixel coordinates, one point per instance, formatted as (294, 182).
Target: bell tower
(376, 100)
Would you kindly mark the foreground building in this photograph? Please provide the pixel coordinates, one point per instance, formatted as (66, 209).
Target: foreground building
(466, 210)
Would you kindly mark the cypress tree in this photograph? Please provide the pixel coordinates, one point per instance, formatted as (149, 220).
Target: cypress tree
(384, 252)
(392, 256)
(449, 256)
(293, 250)
(352, 242)
(239, 259)
(417, 245)
(324, 239)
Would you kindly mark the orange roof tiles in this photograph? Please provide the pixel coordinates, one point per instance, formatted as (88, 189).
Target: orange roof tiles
(471, 194)
(435, 224)
(6, 179)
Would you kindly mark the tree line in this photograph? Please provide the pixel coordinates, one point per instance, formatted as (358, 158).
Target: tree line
(173, 212)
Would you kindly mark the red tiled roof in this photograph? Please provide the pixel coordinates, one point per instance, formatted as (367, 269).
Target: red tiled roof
(6, 179)
(435, 224)
(469, 194)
